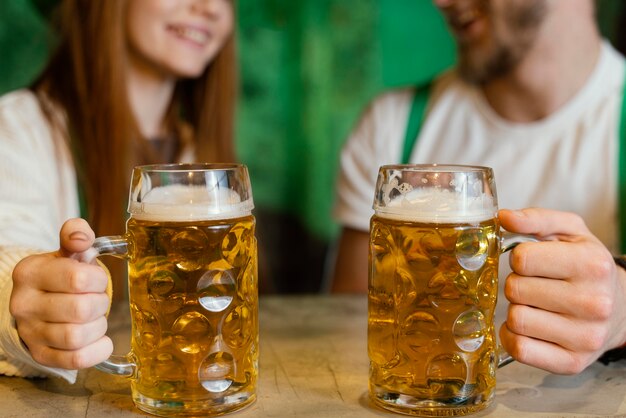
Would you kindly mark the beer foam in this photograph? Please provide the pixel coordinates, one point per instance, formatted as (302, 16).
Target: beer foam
(184, 203)
(439, 206)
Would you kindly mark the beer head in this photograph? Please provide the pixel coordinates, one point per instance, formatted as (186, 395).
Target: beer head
(190, 192)
(440, 206)
(433, 193)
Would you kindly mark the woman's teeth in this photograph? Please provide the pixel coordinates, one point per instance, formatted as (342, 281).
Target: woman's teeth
(191, 34)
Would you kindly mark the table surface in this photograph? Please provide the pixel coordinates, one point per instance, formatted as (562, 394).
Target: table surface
(313, 363)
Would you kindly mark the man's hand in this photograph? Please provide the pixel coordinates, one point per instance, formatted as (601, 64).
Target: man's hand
(568, 303)
(59, 304)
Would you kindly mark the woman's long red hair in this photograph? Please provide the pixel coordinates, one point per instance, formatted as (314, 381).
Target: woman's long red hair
(86, 78)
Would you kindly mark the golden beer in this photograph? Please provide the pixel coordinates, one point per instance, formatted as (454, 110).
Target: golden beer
(194, 304)
(432, 296)
(192, 283)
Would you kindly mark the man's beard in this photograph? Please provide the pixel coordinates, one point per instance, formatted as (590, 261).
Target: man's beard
(505, 53)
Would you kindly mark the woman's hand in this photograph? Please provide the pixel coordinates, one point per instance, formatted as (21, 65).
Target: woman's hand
(568, 303)
(59, 304)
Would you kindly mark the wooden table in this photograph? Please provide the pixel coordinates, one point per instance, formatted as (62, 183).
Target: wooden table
(313, 363)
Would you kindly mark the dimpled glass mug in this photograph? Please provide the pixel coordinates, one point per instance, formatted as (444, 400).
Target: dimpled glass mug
(192, 261)
(434, 247)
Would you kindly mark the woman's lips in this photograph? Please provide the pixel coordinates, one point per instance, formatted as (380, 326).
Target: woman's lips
(190, 33)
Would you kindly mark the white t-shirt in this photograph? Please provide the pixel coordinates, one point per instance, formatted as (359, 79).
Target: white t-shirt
(567, 161)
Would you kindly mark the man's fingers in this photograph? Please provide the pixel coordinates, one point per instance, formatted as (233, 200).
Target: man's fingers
(543, 223)
(562, 330)
(543, 354)
(539, 292)
(561, 260)
(558, 296)
(82, 358)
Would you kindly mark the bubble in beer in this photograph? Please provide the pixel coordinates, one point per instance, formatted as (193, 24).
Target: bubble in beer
(251, 359)
(147, 329)
(472, 247)
(192, 333)
(381, 329)
(381, 244)
(238, 326)
(147, 265)
(444, 294)
(421, 331)
(236, 244)
(161, 282)
(216, 289)
(380, 239)
(215, 235)
(421, 250)
(462, 283)
(406, 290)
(487, 284)
(188, 248)
(489, 363)
(136, 240)
(216, 370)
(161, 238)
(448, 367)
(432, 249)
(169, 372)
(248, 285)
(469, 330)
(169, 304)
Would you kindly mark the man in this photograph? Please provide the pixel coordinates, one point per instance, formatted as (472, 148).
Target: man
(537, 96)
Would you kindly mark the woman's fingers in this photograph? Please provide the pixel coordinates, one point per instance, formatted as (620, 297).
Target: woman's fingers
(86, 356)
(63, 308)
(59, 303)
(75, 236)
(65, 336)
(47, 273)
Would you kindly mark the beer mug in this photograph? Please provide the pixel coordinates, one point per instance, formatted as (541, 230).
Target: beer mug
(192, 262)
(434, 247)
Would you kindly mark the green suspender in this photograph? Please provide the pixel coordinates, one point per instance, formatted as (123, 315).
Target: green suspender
(416, 117)
(621, 190)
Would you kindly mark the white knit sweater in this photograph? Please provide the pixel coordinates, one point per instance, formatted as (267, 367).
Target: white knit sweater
(37, 194)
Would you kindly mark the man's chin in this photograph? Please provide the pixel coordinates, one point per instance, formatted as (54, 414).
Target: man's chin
(472, 73)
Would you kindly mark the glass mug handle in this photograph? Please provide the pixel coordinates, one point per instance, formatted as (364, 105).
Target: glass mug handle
(115, 245)
(508, 241)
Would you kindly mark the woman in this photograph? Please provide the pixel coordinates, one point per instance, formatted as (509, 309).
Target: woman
(132, 82)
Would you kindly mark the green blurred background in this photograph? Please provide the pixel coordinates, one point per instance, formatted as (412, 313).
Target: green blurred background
(307, 69)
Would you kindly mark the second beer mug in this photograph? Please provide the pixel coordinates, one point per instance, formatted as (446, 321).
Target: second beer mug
(192, 261)
(435, 241)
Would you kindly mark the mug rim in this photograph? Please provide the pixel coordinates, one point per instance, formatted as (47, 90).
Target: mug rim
(436, 167)
(215, 179)
(189, 167)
